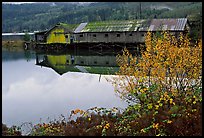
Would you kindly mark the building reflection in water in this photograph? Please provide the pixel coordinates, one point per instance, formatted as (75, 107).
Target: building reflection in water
(62, 63)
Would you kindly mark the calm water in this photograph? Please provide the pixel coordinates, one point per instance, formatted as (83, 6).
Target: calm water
(32, 93)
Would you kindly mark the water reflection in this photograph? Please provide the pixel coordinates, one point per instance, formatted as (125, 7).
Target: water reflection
(31, 88)
(62, 63)
(17, 55)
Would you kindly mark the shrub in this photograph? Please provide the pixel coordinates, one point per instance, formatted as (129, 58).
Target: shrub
(165, 83)
(26, 37)
(12, 131)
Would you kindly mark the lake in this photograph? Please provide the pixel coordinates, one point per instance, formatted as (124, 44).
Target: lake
(40, 87)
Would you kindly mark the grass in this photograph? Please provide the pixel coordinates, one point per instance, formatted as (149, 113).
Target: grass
(13, 45)
(17, 43)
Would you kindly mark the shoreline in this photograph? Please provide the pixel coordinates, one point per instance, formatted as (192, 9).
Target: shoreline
(11, 43)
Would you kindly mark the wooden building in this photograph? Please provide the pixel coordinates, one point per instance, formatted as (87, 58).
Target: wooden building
(59, 34)
(128, 31)
(111, 31)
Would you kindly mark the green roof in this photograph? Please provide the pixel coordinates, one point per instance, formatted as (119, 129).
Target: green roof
(101, 70)
(114, 26)
(136, 25)
(61, 69)
(67, 27)
(71, 27)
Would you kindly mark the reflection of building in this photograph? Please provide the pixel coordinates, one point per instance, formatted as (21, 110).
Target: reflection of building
(91, 64)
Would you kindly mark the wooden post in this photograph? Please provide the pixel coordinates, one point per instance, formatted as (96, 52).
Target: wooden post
(37, 59)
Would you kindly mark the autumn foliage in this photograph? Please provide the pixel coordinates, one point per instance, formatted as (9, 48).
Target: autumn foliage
(164, 85)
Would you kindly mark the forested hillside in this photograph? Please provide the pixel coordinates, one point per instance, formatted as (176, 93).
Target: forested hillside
(41, 16)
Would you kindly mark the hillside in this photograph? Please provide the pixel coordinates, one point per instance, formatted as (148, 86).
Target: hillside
(40, 16)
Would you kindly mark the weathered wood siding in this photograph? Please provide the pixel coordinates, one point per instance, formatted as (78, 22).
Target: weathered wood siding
(110, 37)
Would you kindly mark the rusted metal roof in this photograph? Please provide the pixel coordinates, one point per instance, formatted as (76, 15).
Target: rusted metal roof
(135, 25)
(168, 24)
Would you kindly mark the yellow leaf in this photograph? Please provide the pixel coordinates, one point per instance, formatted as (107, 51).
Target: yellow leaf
(169, 122)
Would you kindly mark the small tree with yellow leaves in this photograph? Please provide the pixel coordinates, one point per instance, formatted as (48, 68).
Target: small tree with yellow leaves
(165, 82)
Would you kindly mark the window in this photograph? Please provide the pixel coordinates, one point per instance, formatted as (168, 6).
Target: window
(94, 35)
(142, 35)
(118, 35)
(107, 62)
(67, 61)
(66, 36)
(81, 35)
(82, 62)
(95, 62)
(106, 35)
(130, 34)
